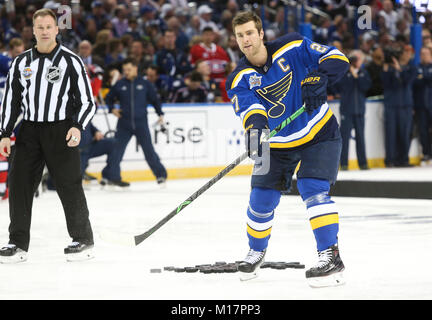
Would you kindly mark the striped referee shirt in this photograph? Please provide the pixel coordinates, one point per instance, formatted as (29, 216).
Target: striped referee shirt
(47, 88)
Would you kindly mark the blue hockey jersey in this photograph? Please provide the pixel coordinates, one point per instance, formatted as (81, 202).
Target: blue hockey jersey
(274, 90)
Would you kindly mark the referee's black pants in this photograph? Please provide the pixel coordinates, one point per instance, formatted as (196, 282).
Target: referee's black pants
(38, 144)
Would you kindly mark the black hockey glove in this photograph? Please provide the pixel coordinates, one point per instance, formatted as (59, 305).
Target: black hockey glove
(314, 91)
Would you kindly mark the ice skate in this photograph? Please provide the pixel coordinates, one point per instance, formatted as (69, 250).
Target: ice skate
(161, 181)
(328, 270)
(119, 185)
(77, 251)
(10, 253)
(250, 266)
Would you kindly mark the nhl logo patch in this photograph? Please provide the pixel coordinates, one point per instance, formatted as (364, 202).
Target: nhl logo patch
(53, 74)
(254, 81)
(27, 73)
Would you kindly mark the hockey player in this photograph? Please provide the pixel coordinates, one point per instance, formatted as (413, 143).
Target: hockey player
(270, 83)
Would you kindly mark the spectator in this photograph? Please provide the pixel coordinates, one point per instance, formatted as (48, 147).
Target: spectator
(205, 14)
(27, 36)
(115, 49)
(422, 93)
(134, 30)
(191, 91)
(85, 52)
(390, 17)
(215, 54)
(397, 78)
(137, 51)
(120, 20)
(98, 14)
(352, 89)
(203, 67)
(161, 82)
(374, 69)
(193, 28)
(233, 50)
(182, 40)
(171, 61)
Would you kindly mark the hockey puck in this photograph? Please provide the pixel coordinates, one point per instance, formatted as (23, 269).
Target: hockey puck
(155, 270)
(298, 266)
(191, 269)
(206, 270)
(169, 268)
(279, 266)
(179, 270)
(220, 263)
(266, 265)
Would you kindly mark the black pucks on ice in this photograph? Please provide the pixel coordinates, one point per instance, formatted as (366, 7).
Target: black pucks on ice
(179, 270)
(266, 265)
(199, 266)
(279, 266)
(298, 266)
(169, 268)
(220, 263)
(206, 270)
(191, 269)
(155, 270)
(230, 268)
(218, 270)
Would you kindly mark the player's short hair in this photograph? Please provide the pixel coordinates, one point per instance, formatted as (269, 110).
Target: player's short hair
(244, 17)
(43, 13)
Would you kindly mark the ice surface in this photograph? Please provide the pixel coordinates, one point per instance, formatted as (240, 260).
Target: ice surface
(386, 245)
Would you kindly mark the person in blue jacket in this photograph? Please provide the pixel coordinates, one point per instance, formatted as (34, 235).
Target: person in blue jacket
(352, 89)
(134, 94)
(397, 78)
(422, 93)
(93, 144)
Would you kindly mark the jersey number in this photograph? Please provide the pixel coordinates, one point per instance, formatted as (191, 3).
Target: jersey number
(317, 47)
(234, 101)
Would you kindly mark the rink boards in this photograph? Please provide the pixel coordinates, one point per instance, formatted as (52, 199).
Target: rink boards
(202, 139)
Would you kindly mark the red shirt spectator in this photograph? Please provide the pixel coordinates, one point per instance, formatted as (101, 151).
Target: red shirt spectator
(211, 52)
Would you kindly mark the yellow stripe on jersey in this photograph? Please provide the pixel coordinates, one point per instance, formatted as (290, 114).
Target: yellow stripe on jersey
(336, 56)
(258, 234)
(288, 46)
(323, 221)
(251, 112)
(318, 126)
(239, 75)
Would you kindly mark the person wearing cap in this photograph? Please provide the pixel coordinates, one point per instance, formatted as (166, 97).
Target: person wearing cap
(205, 14)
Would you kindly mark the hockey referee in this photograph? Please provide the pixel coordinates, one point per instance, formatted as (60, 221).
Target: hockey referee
(49, 84)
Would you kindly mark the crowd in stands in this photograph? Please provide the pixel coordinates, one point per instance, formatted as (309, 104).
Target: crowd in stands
(187, 49)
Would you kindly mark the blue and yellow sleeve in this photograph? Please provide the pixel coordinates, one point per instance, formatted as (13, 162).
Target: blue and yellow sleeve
(245, 103)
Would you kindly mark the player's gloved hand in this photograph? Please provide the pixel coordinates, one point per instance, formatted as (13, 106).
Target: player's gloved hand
(314, 90)
(253, 137)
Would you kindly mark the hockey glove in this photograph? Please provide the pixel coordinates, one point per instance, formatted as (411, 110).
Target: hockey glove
(314, 91)
(253, 140)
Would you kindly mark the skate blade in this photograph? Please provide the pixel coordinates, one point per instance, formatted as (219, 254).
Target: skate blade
(246, 276)
(333, 280)
(17, 258)
(80, 256)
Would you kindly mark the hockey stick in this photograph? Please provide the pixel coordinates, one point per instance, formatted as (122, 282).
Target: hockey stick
(141, 237)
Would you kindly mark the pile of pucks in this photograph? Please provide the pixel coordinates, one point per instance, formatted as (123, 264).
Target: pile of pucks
(224, 267)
